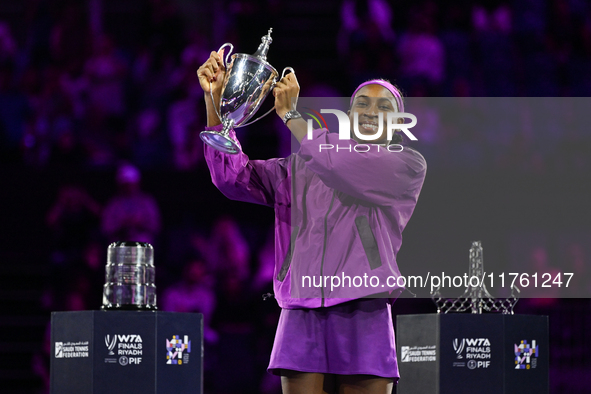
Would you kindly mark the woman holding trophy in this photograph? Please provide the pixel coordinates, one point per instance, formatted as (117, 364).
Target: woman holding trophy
(339, 214)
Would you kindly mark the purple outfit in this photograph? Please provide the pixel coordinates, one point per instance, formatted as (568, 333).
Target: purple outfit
(355, 337)
(346, 220)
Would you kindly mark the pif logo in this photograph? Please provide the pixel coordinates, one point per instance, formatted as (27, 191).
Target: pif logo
(175, 349)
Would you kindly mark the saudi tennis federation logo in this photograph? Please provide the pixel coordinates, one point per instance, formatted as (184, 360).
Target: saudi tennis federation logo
(405, 356)
(459, 347)
(59, 349)
(526, 355)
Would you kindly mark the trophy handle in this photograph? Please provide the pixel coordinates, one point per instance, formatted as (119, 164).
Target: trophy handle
(283, 75)
(225, 61)
(269, 111)
(286, 69)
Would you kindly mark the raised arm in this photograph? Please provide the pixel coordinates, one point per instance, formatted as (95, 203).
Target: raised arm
(242, 179)
(235, 175)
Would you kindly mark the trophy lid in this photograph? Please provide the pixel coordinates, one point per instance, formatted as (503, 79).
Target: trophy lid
(120, 244)
(131, 253)
(261, 52)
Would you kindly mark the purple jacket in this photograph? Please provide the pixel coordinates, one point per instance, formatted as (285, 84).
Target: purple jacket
(346, 221)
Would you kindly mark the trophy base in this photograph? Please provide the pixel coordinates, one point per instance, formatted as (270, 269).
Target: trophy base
(220, 142)
(119, 307)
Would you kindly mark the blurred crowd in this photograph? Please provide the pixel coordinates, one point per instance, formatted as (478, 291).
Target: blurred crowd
(72, 94)
(495, 48)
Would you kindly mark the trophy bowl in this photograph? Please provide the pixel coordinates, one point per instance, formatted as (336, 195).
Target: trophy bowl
(248, 81)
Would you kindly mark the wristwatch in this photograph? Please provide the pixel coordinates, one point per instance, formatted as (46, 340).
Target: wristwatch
(291, 115)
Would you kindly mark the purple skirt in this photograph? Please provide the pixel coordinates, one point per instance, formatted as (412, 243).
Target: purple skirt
(356, 337)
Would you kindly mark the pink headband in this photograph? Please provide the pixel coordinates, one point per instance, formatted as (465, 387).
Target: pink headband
(385, 84)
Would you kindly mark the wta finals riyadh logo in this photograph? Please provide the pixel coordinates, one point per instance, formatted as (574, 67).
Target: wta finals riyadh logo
(175, 348)
(345, 125)
(526, 355)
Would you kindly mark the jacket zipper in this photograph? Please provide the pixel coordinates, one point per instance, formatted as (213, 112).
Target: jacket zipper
(324, 247)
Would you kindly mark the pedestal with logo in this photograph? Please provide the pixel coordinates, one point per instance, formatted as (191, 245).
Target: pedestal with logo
(111, 352)
(472, 353)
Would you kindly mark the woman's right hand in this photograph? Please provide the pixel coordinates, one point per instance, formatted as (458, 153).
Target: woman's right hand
(213, 71)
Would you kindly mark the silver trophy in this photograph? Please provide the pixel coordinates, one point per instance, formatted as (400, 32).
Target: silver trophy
(248, 81)
(129, 277)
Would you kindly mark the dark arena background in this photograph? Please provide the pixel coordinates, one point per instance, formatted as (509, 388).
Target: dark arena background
(99, 99)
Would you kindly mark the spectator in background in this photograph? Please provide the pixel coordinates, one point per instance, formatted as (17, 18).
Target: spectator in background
(74, 222)
(262, 280)
(236, 317)
(74, 84)
(7, 44)
(106, 75)
(491, 16)
(14, 110)
(73, 219)
(51, 115)
(530, 20)
(456, 39)
(70, 39)
(149, 146)
(182, 119)
(576, 262)
(166, 27)
(67, 152)
(538, 261)
(228, 250)
(193, 294)
(236, 321)
(131, 215)
(184, 131)
(421, 52)
(365, 18)
(568, 45)
(366, 33)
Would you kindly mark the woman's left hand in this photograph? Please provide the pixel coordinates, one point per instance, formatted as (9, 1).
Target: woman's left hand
(286, 92)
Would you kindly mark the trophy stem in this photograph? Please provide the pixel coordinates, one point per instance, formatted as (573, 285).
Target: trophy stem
(221, 140)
